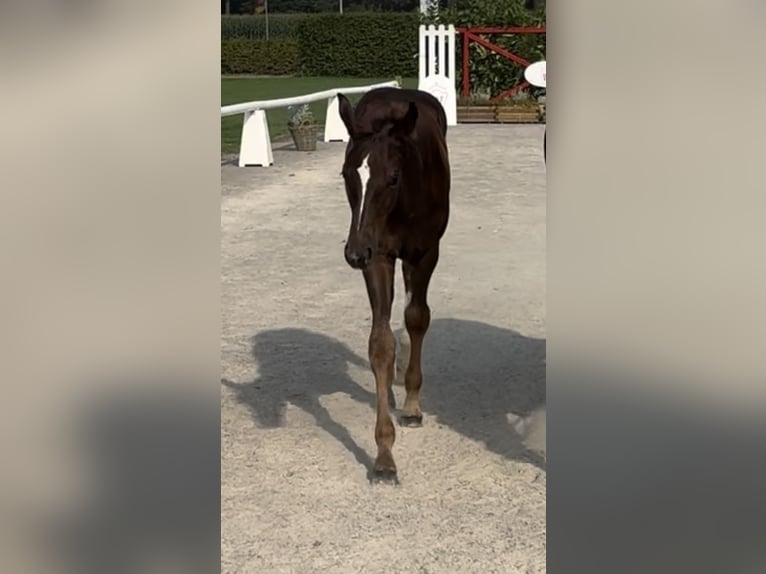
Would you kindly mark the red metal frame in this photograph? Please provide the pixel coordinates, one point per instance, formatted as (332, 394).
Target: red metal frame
(473, 34)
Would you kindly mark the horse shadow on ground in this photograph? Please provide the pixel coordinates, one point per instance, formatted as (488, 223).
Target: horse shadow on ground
(475, 376)
(297, 366)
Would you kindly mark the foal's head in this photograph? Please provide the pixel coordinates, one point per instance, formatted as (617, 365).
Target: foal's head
(376, 172)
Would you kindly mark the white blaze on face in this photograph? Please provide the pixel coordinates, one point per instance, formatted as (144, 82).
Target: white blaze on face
(364, 175)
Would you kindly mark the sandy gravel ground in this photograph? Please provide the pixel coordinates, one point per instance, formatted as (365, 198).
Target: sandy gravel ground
(297, 394)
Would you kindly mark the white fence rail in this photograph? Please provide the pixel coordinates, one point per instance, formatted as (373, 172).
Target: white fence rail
(255, 143)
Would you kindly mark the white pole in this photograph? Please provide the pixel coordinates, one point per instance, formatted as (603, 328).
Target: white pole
(441, 34)
(422, 53)
(340, 6)
(266, 7)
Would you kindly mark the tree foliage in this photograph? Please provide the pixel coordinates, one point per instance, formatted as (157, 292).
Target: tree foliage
(490, 73)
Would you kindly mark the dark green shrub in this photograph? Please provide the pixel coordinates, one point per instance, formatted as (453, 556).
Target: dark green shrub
(276, 57)
(361, 44)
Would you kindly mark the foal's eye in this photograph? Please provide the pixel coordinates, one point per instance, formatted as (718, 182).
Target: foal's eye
(393, 180)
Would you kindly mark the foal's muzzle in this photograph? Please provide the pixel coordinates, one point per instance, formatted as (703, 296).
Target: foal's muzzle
(357, 257)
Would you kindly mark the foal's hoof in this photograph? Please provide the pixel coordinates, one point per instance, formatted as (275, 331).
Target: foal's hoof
(384, 469)
(412, 421)
(385, 476)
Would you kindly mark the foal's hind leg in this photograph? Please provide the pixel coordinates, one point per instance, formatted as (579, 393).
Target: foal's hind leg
(417, 318)
(379, 277)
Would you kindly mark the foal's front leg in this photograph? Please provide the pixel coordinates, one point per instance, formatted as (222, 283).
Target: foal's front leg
(417, 319)
(379, 277)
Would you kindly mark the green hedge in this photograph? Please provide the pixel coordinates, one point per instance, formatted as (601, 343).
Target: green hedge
(281, 26)
(348, 5)
(375, 44)
(275, 57)
(362, 44)
(359, 45)
(314, 6)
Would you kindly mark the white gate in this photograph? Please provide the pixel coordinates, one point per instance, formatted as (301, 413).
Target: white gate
(436, 67)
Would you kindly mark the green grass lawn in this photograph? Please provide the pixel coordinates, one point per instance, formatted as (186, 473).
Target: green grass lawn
(238, 90)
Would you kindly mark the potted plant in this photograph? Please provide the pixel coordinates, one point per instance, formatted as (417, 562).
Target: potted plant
(303, 127)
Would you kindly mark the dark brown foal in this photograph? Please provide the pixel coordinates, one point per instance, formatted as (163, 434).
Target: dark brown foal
(397, 180)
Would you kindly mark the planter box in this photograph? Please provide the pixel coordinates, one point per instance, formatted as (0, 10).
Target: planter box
(475, 114)
(504, 114)
(514, 115)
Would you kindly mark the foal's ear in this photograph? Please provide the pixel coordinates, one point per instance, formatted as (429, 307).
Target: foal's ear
(406, 125)
(346, 113)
